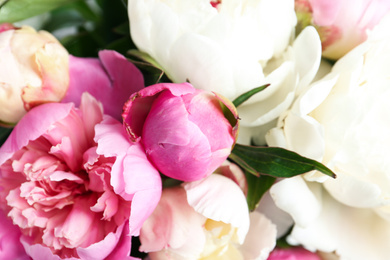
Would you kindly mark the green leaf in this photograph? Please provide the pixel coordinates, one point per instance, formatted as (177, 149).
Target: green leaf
(257, 186)
(244, 97)
(4, 133)
(276, 162)
(15, 10)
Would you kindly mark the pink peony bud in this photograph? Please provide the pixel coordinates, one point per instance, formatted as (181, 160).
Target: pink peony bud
(183, 130)
(342, 24)
(33, 70)
(294, 253)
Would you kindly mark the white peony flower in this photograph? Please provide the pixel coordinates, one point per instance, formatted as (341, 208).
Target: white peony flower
(230, 47)
(343, 120)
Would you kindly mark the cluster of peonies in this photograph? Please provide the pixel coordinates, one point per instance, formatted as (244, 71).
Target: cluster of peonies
(76, 182)
(89, 162)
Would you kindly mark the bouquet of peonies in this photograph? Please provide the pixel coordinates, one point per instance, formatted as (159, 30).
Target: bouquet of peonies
(195, 129)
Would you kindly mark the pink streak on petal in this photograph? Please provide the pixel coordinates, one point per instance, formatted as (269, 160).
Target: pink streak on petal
(6, 26)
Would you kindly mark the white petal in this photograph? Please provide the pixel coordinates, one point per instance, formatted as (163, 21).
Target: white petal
(296, 197)
(261, 238)
(219, 198)
(307, 56)
(357, 234)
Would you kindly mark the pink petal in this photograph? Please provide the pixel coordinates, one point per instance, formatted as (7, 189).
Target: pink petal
(104, 249)
(294, 253)
(32, 126)
(173, 143)
(10, 246)
(111, 80)
(132, 176)
(138, 106)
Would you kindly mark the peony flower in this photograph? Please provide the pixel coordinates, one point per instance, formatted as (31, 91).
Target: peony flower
(33, 70)
(183, 130)
(342, 24)
(111, 79)
(230, 47)
(207, 219)
(342, 121)
(73, 183)
(293, 253)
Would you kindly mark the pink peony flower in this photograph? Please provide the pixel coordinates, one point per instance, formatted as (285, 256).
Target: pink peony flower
(293, 253)
(342, 24)
(33, 70)
(206, 219)
(74, 184)
(183, 130)
(111, 79)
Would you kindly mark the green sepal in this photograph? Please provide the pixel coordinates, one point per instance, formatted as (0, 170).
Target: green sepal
(276, 162)
(244, 97)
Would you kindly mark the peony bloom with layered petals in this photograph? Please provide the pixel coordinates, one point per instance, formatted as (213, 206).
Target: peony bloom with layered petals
(207, 219)
(342, 121)
(73, 183)
(183, 130)
(342, 24)
(111, 79)
(230, 47)
(33, 70)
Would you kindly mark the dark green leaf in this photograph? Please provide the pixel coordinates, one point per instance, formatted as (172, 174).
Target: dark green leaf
(4, 133)
(244, 97)
(15, 10)
(257, 186)
(276, 162)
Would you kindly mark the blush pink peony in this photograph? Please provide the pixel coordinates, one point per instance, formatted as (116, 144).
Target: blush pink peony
(73, 183)
(33, 71)
(183, 130)
(207, 220)
(342, 24)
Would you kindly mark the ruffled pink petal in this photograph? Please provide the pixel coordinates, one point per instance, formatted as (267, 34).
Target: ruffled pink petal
(32, 126)
(132, 176)
(111, 79)
(104, 248)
